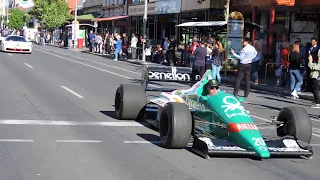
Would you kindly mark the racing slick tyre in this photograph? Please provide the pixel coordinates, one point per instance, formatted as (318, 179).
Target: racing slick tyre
(297, 123)
(129, 101)
(175, 125)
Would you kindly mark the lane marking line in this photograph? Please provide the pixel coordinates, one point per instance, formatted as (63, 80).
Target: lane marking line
(312, 119)
(74, 93)
(28, 65)
(9, 54)
(70, 123)
(87, 65)
(98, 68)
(16, 140)
(78, 141)
(315, 144)
(142, 142)
(263, 119)
(107, 65)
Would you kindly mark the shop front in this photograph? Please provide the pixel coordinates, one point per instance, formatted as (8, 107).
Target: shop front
(193, 11)
(135, 12)
(161, 21)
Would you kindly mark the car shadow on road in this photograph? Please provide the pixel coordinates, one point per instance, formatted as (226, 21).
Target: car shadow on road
(111, 114)
(152, 138)
(284, 101)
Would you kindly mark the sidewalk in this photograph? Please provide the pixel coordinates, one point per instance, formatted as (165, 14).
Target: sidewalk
(229, 79)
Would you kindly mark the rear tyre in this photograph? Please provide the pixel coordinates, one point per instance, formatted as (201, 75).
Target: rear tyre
(297, 123)
(129, 101)
(175, 125)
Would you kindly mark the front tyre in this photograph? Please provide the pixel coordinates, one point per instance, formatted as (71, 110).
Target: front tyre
(296, 123)
(129, 101)
(175, 125)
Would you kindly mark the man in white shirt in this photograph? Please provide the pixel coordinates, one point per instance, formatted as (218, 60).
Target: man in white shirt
(247, 54)
(133, 45)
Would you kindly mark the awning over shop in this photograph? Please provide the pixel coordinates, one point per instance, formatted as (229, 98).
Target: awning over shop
(111, 18)
(204, 23)
(217, 23)
(90, 16)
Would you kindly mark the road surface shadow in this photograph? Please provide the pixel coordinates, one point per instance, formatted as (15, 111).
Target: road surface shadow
(154, 139)
(281, 100)
(111, 114)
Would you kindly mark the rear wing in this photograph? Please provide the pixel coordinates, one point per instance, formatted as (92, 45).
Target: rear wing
(154, 72)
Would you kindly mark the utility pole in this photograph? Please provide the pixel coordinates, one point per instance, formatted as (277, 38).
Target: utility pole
(7, 6)
(74, 25)
(3, 11)
(144, 29)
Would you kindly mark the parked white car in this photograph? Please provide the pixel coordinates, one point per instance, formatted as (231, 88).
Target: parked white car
(16, 44)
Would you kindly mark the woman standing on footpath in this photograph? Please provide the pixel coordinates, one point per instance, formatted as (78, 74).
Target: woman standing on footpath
(216, 61)
(294, 69)
(256, 62)
(315, 72)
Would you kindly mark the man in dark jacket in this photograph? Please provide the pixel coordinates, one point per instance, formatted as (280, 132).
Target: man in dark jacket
(313, 51)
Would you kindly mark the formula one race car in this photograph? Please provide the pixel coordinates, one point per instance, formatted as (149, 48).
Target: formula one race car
(216, 125)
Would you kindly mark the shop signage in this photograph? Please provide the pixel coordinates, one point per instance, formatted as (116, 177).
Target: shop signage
(308, 17)
(124, 23)
(138, 10)
(241, 2)
(309, 2)
(284, 2)
(168, 6)
(190, 5)
(217, 4)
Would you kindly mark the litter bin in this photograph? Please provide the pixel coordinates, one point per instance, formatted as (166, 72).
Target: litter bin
(80, 43)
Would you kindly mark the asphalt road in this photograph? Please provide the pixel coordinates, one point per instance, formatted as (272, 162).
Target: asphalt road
(56, 116)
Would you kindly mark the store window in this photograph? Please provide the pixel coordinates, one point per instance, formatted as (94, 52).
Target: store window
(301, 29)
(189, 32)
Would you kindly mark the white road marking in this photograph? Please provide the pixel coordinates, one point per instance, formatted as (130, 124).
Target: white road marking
(70, 123)
(16, 140)
(74, 93)
(28, 65)
(9, 54)
(99, 68)
(87, 65)
(263, 119)
(79, 141)
(315, 144)
(142, 142)
(312, 119)
(107, 65)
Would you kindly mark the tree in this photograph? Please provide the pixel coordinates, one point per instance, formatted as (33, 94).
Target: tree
(52, 13)
(16, 19)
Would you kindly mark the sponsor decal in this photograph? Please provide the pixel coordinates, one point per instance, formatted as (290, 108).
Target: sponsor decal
(231, 104)
(171, 76)
(287, 149)
(290, 143)
(263, 148)
(245, 126)
(195, 105)
(211, 146)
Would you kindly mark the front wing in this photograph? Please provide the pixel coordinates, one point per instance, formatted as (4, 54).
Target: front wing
(208, 147)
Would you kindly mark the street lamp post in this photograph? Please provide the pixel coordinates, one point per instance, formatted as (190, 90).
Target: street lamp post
(144, 30)
(74, 25)
(7, 6)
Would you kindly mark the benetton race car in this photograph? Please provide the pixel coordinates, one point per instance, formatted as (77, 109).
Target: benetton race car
(16, 44)
(215, 125)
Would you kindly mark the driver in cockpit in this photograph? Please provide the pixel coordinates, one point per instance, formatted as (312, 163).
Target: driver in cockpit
(212, 87)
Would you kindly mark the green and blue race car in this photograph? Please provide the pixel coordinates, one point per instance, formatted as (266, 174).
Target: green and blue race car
(214, 125)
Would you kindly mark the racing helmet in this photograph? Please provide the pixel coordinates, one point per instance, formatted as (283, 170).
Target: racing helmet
(212, 83)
